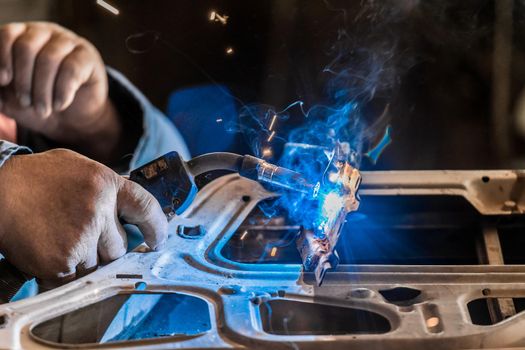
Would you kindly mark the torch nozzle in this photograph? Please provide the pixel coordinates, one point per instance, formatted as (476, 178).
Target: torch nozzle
(262, 171)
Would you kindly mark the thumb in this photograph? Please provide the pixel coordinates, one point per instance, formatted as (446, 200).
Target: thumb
(137, 206)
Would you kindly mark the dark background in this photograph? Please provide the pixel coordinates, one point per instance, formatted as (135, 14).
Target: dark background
(430, 61)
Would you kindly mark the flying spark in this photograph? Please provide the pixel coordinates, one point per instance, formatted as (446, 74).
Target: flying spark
(271, 136)
(272, 122)
(273, 252)
(219, 120)
(215, 17)
(229, 50)
(243, 236)
(108, 7)
(267, 152)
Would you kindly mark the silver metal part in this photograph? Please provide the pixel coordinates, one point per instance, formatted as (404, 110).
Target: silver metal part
(283, 178)
(237, 292)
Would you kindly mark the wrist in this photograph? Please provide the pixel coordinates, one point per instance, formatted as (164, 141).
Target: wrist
(99, 139)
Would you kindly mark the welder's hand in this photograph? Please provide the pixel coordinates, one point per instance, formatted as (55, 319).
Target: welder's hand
(54, 82)
(59, 214)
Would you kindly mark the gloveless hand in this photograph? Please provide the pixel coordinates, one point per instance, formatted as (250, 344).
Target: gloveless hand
(54, 82)
(60, 214)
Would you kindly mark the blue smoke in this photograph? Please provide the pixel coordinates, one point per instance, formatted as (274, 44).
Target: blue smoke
(307, 149)
(361, 67)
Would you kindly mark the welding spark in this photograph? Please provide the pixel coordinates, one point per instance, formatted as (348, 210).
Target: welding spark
(267, 152)
(273, 252)
(229, 50)
(272, 122)
(108, 7)
(243, 236)
(215, 17)
(271, 136)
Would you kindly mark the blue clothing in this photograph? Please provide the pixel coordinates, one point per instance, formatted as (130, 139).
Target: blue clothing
(159, 136)
(7, 149)
(208, 113)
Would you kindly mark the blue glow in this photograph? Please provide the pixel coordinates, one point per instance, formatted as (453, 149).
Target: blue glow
(308, 135)
(316, 190)
(332, 204)
(309, 150)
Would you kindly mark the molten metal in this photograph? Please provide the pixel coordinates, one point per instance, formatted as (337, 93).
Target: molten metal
(317, 247)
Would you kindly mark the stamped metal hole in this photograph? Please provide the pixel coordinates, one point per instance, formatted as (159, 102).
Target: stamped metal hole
(191, 232)
(291, 317)
(401, 296)
(432, 318)
(140, 286)
(488, 311)
(127, 317)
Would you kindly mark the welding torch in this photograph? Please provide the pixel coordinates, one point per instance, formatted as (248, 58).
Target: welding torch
(171, 180)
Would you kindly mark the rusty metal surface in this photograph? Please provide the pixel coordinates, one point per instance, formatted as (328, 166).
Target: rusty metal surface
(234, 291)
